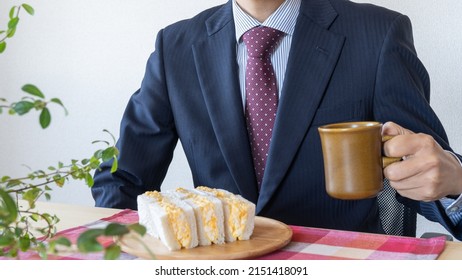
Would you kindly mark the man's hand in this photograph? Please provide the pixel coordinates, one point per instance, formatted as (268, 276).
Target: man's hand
(427, 172)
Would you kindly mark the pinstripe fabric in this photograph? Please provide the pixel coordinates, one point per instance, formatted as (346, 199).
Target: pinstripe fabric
(348, 62)
(283, 19)
(453, 206)
(453, 209)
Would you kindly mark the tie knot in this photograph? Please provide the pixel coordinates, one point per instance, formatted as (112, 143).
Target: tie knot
(261, 41)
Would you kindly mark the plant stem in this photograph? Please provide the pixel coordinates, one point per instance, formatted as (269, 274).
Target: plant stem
(49, 227)
(45, 176)
(49, 178)
(12, 30)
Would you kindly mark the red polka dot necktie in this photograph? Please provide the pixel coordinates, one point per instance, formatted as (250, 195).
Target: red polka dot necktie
(261, 93)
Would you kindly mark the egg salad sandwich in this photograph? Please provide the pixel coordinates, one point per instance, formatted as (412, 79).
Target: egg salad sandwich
(168, 218)
(239, 214)
(209, 215)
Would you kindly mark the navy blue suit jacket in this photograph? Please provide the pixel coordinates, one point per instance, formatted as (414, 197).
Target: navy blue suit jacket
(348, 62)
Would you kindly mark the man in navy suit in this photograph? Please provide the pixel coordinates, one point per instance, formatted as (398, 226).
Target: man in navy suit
(337, 61)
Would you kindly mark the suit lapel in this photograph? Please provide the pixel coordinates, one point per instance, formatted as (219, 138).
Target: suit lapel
(217, 68)
(314, 54)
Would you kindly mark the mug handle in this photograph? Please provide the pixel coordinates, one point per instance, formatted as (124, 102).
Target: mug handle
(386, 161)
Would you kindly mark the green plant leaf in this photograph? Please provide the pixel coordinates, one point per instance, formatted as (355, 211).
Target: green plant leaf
(5, 178)
(32, 194)
(59, 180)
(13, 23)
(115, 165)
(45, 118)
(11, 32)
(63, 241)
(94, 163)
(19, 231)
(89, 180)
(98, 154)
(39, 104)
(48, 218)
(33, 90)
(112, 252)
(141, 230)
(13, 183)
(23, 107)
(12, 10)
(35, 217)
(6, 240)
(115, 229)
(8, 209)
(28, 9)
(42, 251)
(108, 154)
(108, 132)
(87, 242)
(24, 243)
(58, 101)
(2, 47)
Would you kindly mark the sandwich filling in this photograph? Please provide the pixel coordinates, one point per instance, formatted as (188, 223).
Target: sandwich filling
(208, 216)
(237, 210)
(176, 218)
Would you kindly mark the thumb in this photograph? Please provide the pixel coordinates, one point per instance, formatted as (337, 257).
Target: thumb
(391, 128)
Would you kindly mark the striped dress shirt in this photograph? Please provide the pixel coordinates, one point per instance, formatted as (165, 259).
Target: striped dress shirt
(283, 19)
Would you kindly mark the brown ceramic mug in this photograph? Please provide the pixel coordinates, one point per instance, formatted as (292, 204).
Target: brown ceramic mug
(353, 160)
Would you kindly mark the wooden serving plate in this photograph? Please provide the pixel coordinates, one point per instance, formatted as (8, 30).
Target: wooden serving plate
(268, 235)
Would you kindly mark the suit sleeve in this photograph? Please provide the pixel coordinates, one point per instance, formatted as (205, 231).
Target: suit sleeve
(146, 144)
(402, 95)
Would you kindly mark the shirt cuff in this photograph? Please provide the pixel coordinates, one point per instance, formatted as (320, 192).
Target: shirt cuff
(453, 206)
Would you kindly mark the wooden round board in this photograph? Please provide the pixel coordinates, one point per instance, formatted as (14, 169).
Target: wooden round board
(268, 236)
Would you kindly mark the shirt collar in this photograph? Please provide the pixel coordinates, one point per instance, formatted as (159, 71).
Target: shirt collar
(283, 19)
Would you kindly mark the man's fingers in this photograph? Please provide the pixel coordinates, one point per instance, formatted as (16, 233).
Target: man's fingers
(409, 145)
(391, 128)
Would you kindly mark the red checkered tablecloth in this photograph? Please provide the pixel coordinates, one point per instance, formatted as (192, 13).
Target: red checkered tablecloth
(323, 244)
(307, 244)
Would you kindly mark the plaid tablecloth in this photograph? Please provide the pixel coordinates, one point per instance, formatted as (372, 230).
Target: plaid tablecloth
(322, 244)
(307, 244)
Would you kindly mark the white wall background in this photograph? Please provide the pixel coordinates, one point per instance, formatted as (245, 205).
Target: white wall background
(92, 55)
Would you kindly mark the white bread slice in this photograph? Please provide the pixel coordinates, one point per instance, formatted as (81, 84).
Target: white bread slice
(239, 214)
(209, 215)
(144, 214)
(171, 220)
